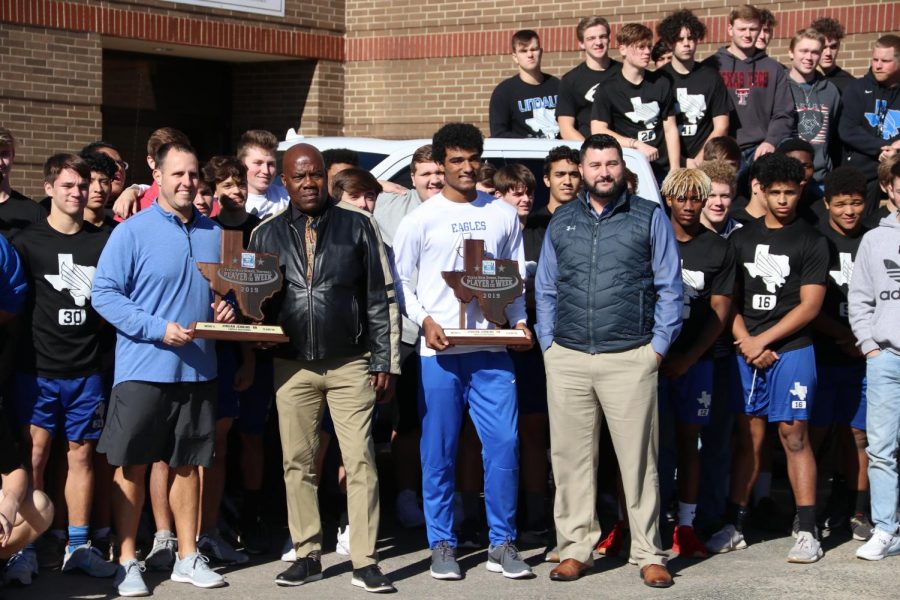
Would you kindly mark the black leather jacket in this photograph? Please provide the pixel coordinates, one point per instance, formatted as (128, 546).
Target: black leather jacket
(349, 308)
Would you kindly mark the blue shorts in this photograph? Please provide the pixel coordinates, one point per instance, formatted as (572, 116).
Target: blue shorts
(841, 397)
(77, 405)
(531, 381)
(690, 396)
(783, 392)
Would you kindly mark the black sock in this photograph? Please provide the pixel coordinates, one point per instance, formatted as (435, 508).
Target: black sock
(736, 515)
(863, 502)
(807, 518)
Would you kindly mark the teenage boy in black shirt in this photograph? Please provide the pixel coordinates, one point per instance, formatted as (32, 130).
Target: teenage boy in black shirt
(701, 100)
(782, 266)
(578, 87)
(686, 384)
(59, 384)
(16, 211)
(841, 367)
(103, 173)
(524, 105)
(636, 106)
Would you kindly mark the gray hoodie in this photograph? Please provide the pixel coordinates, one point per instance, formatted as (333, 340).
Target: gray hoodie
(818, 105)
(874, 298)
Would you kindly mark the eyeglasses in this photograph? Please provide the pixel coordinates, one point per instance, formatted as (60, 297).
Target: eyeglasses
(122, 164)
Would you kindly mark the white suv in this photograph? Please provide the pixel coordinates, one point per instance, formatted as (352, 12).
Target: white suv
(389, 160)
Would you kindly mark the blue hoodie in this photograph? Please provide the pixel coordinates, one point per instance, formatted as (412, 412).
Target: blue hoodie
(148, 276)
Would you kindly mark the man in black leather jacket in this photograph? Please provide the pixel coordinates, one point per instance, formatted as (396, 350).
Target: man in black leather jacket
(339, 308)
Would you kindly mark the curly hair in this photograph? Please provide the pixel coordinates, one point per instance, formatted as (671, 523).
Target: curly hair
(669, 29)
(98, 162)
(680, 182)
(830, 28)
(560, 153)
(778, 168)
(456, 135)
(221, 168)
(720, 171)
(845, 181)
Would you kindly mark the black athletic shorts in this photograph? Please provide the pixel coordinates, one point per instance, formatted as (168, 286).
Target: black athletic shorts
(172, 422)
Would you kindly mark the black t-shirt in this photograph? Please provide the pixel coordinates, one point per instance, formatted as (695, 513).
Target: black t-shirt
(840, 78)
(872, 221)
(577, 90)
(699, 96)
(18, 212)
(637, 111)
(772, 265)
(533, 240)
(707, 269)
(522, 110)
(246, 228)
(841, 256)
(65, 328)
(10, 456)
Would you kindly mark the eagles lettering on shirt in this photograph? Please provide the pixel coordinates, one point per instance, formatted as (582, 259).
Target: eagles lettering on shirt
(637, 111)
(577, 90)
(707, 269)
(841, 256)
(522, 110)
(771, 266)
(699, 96)
(65, 328)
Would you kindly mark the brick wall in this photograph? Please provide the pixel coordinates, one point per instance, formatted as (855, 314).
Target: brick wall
(50, 97)
(414, 65)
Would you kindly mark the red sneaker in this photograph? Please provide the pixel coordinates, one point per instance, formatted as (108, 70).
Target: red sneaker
(611, 545)
(685, 543)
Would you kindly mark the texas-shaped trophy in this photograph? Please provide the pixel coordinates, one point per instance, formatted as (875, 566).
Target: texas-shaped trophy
(494, 284)
(253, 277)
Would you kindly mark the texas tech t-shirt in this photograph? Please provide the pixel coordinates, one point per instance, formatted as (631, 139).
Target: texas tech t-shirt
(707, 269)
(841, 256)
(637, 111)
(772, 265)
(577, 90)
(65, 340)
(699, 96)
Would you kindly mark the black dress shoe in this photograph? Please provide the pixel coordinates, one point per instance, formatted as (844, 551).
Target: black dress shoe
(302, 571)
(371, 579)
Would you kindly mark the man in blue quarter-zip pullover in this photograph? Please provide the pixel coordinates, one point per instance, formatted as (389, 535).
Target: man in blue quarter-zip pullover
(163, 403)
(609, 305)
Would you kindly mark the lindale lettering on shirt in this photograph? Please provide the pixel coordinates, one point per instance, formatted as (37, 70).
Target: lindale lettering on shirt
(529, 104)
(466, 226)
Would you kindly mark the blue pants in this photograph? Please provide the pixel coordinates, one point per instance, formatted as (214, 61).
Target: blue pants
(484, 382)
(883, 431)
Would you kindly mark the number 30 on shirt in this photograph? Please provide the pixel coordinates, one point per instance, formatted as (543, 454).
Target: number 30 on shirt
(72, 316)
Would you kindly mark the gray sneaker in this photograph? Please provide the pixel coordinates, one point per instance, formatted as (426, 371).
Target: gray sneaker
(443, 562)
(129, 582)
(89, 560)
(807, 549)
(505, 559)
(194, 569)
(162, 556)
(21, 567)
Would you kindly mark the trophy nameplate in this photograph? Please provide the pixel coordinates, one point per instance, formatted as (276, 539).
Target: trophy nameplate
(495, 284)
(254, 277)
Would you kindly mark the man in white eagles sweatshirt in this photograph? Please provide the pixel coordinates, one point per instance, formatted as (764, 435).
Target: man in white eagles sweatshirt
(430, 240)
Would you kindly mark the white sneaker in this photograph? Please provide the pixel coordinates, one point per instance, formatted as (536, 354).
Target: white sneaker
(343, 541)
(806, 549)
(725, 540)
(288, 553)
(408, 512)
(211, 544)
(880, 545)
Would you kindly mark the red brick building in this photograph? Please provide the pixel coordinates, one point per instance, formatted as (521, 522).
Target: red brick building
(78, 70)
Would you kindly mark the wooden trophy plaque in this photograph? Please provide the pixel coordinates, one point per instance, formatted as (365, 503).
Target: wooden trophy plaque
(254, 278)
(494, 283)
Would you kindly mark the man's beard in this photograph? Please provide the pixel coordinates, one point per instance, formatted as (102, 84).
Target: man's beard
(613, 193)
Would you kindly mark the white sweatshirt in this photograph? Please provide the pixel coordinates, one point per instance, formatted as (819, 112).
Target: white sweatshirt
(430, 240)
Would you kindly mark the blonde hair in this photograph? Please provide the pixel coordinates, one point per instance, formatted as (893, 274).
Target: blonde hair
(679, 183)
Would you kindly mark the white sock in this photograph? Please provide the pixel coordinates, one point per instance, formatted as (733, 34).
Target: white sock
(763, 486)
(686, 514)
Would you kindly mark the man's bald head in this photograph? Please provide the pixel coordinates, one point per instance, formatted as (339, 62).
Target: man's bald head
(303, 175)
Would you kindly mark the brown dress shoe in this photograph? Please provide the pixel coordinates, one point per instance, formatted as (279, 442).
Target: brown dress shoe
(569, 570)
(656, 576)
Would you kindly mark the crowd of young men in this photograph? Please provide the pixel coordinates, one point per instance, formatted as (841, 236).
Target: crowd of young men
(756, 299)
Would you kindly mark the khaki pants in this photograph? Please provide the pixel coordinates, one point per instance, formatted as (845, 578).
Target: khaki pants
(301, 389)
(581, 389)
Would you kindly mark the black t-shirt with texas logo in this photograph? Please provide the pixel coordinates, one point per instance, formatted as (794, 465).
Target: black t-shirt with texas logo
(771, 266)
(577, 90)
(841, 256)
(699, 96)
(637, 111)
(65, 328)
(707, 269)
